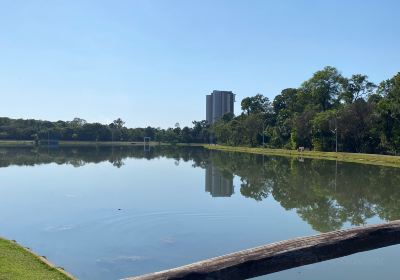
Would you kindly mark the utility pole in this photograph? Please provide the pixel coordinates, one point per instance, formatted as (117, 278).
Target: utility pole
(336, 134)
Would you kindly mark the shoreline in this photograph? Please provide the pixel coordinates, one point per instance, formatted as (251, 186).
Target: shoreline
(26, 262)
(24, 143)
(372, 159)
(29, 143)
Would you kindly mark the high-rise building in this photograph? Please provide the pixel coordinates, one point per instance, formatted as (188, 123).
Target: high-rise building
(219, 103)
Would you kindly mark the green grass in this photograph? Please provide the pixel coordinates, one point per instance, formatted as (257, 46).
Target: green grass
(18, 263)
(384, 160)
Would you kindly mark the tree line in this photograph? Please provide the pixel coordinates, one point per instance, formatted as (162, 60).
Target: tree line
(80, 130)
(326, 110)
(362, 116)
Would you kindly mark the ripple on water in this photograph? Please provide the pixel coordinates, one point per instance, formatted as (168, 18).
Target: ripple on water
(59, 228)
(122, 259)
(133, 221)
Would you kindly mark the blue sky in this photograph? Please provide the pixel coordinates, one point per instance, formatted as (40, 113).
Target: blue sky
(152, 62)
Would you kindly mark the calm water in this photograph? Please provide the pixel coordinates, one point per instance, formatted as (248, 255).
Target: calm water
(109, 213)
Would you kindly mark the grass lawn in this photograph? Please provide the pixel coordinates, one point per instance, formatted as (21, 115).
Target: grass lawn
(384, 160)
(17, 263)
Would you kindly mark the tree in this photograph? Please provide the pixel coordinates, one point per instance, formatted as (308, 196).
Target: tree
(200, 131)
(253, 126)
(77, 122)
(227, 117)
(186, 135)
(222, 132)
(357, 87)
(287, 101)
(324, 88)
(256, 104)
(389, 112)
(323, 135)
(302, 130)
(149, 132)
(117, 124)
(355, 127)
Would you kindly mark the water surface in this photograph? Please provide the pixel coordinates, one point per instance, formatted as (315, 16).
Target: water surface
(114, 212)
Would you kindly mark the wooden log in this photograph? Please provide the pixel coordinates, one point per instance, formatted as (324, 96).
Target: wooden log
(286, 254)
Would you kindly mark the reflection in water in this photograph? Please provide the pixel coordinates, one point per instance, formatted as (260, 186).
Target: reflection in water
(326, 194)
(146, 147)
(218, 184)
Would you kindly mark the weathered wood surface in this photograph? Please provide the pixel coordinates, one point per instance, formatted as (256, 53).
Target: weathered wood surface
(287, 254)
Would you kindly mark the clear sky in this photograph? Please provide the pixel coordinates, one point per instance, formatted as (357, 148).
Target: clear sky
(152, 62)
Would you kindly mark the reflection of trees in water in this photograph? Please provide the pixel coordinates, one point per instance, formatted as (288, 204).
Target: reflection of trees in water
(323, 193)
(79, 156)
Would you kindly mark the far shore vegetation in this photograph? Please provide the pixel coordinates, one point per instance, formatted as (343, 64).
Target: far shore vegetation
(327, 112)
(18, 263)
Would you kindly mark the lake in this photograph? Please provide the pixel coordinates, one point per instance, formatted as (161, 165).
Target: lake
(114, 212)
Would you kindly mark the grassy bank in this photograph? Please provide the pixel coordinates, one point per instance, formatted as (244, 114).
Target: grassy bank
(18, 263)
(384, 160)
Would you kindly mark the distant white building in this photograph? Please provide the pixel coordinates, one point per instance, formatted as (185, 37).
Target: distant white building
(219, 103)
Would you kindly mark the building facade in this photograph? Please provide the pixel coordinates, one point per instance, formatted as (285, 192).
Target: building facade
(219, 103)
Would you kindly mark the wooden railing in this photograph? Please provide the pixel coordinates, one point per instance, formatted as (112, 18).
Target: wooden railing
(286, 254)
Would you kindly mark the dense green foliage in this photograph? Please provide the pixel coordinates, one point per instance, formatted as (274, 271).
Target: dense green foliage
(366, 117)
(80, 130)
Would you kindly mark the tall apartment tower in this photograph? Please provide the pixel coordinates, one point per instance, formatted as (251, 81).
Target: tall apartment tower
(219, 103)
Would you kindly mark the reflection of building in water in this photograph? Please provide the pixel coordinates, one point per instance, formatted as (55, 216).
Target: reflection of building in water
(218, 184)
